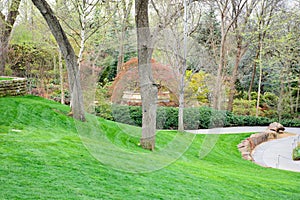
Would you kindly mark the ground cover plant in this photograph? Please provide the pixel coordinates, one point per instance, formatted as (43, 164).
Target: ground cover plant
(42, 156)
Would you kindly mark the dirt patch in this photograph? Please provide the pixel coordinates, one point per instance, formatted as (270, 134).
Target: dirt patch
(283, 135)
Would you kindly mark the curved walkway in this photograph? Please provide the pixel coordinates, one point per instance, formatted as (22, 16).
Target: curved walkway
(275, 153)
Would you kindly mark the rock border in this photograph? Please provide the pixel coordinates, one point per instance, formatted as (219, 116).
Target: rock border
(14, 87)
(247, 145)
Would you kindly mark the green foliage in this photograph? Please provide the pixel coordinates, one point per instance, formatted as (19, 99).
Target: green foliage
(244, 107)
(270, 99)
(131, 115)
(167, 118)
(31, 60)
(110, 69)
(290, 122)
(196, 91)
(103, 107)
(194, 118)
(296, 153)
(5, 79)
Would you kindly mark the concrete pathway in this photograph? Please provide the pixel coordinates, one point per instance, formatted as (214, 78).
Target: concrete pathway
(274, 153)
(230, 130)
(278, 153)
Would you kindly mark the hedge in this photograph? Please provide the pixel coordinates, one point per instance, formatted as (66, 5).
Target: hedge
(194, 118)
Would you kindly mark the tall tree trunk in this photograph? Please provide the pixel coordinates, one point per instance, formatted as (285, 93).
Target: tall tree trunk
(253, 74)
(61, 78)
(6, 26)
(218, 83)
(234, 75)
(69, 56)
(124, 26)
(260, 79)
(147, 85)
(183, 69)
(298, 95)
(290, 89)
(121, 52)
(280, 99)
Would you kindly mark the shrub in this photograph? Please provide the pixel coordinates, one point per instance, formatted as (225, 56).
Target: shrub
(290, 122)
(131, 115)
(104, 111)
(194, 118)
(244, 107)
(171, 116)
(296, 153)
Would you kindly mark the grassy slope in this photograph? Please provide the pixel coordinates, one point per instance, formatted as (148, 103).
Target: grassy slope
(47, 160)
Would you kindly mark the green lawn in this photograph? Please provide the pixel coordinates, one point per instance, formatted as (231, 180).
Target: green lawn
(46, 155)
(5, 79)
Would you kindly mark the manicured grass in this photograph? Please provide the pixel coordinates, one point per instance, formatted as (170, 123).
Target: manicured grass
(46, 155)
(5, 79)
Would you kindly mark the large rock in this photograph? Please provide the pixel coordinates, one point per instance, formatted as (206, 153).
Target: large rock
(271, 134)
(277, 127)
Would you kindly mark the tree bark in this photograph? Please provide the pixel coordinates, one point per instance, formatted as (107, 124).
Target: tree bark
(121, 53)
(147, 85)
(61, 78)
(180, 112)
(183, 70)
(69, 56)
(124, 26)
(234, 75)
(280, 99)
(298, 95)
(260, 78)
(219, 80)
(253, 74)
(5, 31)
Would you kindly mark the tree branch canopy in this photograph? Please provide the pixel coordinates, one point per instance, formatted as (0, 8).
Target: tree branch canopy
(69, 56)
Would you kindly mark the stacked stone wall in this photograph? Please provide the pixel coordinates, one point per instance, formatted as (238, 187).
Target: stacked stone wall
(248, 145)
(13, 87)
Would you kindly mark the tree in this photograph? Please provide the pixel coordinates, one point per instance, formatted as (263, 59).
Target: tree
(124, 15)
(89, 17)
(228, 10)
(175, 45)
(264, 15)
(148, 86)
(69, 56)
(6, 26)
(239, 27)
(264, 19)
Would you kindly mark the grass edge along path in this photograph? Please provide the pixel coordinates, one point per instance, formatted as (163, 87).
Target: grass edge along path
(42, 157)
(5, 79)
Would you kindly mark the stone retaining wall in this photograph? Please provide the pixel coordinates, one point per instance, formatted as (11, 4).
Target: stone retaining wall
(246, 146)
(14, 87)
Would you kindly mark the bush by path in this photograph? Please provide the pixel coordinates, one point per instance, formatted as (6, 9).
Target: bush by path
(194, 118)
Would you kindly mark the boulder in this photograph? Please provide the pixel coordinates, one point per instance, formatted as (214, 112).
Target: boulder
(271, 134)
(277, 127)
